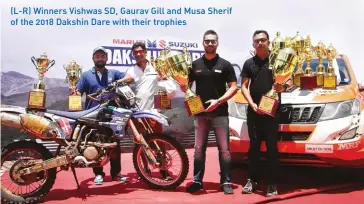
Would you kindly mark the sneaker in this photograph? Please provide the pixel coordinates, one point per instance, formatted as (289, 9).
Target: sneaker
(272, 190)
(99, 179)
(165, 175)
(120, 178)
(227, 189)
(194, 187)
(250, 186)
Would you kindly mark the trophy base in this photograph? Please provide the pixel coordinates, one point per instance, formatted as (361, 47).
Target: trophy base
(74, 103)
(330, 82)
(194, 105)
(36, 99)
(268, 106)
(297, 79)
(308, 82)
(162, 102)
(320, 79)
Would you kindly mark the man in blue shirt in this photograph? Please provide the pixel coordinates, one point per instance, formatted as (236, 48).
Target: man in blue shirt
(97, 78)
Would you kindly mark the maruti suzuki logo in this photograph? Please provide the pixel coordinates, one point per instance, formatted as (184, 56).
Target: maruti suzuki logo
(162, 43)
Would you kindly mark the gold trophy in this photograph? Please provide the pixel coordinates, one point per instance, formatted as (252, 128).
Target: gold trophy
(309, 79)
(74, 72)
(298, 45)
(278, 43)
(330, 79)
(37, 95)
(174, 65)
(320, 50)
(282, 68)
(161, 101)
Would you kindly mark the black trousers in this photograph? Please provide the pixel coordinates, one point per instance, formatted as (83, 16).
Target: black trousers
(263, 127)
(115, 163)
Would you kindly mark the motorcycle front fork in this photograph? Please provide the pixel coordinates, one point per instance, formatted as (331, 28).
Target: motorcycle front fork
(139, 139)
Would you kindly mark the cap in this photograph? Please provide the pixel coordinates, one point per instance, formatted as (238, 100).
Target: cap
(99, 49)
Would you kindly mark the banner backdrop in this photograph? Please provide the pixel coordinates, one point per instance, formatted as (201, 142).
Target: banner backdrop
(69, 30)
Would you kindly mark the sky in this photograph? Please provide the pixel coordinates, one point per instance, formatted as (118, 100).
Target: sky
(340, 23)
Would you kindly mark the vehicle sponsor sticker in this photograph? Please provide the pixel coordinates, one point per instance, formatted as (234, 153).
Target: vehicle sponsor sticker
(65, 126)
(313, 148)
(347, 146)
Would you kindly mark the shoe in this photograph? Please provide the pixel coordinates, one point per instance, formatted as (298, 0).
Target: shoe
(227, 189)
(194, 187)
(165, 175)
(250, 186)
(99, 179)
(120, 178)
(272, 190)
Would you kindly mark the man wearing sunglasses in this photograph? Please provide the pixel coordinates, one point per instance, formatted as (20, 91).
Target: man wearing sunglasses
(212, 74)
(97, 78)
(257, 80)
(146, 80)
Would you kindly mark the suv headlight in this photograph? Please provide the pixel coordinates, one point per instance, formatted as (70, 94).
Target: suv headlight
(238, 110)
(340, 110)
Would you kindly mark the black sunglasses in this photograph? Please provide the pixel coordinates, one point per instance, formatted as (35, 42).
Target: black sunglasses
(210, 41)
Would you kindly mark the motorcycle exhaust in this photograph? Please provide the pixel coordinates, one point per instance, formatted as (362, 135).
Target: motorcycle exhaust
(11, 120)
(40, 127)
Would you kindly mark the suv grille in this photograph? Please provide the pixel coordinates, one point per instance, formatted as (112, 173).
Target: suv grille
(300, 114)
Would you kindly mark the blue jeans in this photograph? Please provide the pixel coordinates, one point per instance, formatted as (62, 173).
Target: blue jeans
(220, 125)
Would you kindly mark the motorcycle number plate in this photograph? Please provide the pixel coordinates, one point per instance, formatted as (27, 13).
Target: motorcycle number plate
(128, 93)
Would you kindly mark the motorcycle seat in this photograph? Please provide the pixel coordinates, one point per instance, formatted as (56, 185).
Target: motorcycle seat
(72, 115)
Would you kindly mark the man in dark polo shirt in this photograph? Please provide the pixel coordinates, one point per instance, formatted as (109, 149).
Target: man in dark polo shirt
(96, 78)
(260, 126)
(212, 74)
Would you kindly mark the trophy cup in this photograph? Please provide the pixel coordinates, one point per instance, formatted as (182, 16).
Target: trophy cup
(308, 80)
(282, 68)
(174, 65)
(278, 43)
(37, 95)
(320, 50)
(161, 101)
(330, 77)
(74, 72)
(298, 44)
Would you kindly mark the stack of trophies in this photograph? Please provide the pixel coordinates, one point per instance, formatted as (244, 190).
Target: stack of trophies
(37, 96)
(289, 53)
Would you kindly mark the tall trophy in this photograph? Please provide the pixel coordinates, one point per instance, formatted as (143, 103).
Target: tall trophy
(278, 43)
(176, 66)
(309, 79)
(37, 95)
(298, 44)
(282, 68)
(74, 72)
(161, 101)
(320, 50)
(330, 77)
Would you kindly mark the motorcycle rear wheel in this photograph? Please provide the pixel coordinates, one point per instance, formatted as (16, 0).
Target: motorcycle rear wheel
(9, 197)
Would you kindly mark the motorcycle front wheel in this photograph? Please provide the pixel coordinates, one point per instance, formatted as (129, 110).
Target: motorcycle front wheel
(172, 157)
(30, 188)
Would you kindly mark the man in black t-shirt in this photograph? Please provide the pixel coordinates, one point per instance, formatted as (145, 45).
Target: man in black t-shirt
(256, 72)
(211, 73)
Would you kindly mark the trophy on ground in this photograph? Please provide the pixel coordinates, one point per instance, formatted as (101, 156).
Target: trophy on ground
(161, 101)
(37, 96)
(176, 66)
(74, 72)
(309, 79)
(330, 77)
(298, 44)
(320, 50)
(282, 68)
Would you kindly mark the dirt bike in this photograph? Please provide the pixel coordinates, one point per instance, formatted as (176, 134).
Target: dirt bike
(88, 138)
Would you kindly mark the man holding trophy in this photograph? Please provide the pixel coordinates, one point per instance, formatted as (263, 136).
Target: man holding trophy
(257, 80)
(212, 74)
(97, 78)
